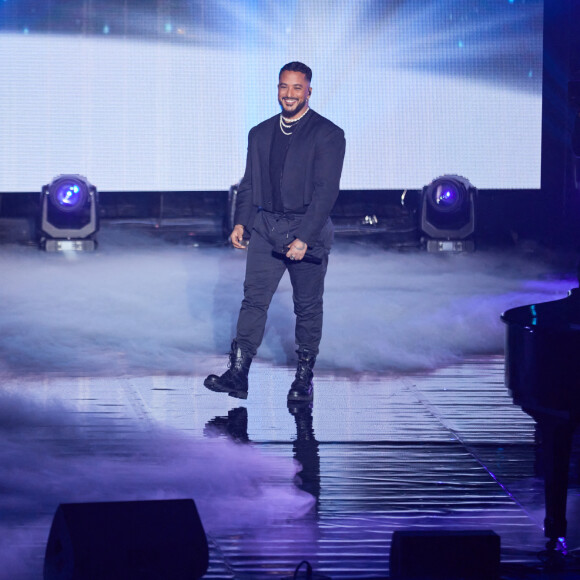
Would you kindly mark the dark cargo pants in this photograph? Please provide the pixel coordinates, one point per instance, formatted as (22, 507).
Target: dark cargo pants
(265, 266)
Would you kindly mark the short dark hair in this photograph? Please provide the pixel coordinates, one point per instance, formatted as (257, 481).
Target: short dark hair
(297, 67)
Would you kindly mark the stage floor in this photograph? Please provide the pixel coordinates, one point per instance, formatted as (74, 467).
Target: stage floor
(102, 362)
(437, 450)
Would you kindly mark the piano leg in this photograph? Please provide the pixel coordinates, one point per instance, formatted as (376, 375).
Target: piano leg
(556, 441)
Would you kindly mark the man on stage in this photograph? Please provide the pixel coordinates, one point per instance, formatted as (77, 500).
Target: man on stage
(284, 200)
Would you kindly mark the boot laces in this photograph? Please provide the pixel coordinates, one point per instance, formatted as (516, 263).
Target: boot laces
(303, 373)
(236, 360)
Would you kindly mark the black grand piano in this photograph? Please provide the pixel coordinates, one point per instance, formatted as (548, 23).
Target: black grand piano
(542, 373)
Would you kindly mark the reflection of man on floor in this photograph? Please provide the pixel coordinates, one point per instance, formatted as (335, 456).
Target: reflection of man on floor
(305, 446)
(284, 201)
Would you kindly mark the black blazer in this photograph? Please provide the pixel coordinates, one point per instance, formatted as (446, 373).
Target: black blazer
(311, 177)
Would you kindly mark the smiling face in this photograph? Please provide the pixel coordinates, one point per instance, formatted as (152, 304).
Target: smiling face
(293, 93)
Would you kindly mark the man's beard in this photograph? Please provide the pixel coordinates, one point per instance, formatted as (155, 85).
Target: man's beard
(294, 112)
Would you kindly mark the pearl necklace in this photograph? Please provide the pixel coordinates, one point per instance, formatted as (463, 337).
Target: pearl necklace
(290, 124)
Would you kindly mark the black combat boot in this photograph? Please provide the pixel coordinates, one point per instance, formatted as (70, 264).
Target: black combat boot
(234, 381)
(302, 388)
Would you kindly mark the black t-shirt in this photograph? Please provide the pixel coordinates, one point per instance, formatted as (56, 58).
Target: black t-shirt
(280, 144)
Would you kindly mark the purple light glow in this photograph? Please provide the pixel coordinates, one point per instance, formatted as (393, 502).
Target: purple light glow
(68, 194)
(446, 196)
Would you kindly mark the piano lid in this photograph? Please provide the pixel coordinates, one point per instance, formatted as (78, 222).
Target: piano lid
(561, 315)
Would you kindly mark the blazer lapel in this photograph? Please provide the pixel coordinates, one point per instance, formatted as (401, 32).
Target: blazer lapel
(265, 141)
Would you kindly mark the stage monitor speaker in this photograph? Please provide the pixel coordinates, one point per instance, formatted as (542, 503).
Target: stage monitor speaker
(126, 541)
(445, 555)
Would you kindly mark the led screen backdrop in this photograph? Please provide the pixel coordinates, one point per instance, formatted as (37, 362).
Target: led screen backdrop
(158, 95)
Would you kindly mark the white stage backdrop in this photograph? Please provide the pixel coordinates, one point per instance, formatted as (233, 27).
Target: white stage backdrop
(158, 95)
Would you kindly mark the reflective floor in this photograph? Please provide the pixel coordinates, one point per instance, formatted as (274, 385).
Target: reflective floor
(102, 361)
(439, 450)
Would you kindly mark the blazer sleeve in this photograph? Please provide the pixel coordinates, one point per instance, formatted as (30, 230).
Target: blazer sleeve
(328, 162)
(245, 211)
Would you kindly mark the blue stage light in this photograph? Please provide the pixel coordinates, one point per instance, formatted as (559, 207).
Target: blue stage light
(446, 196)
(69, 215)
(448, 214)
(69, 195)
